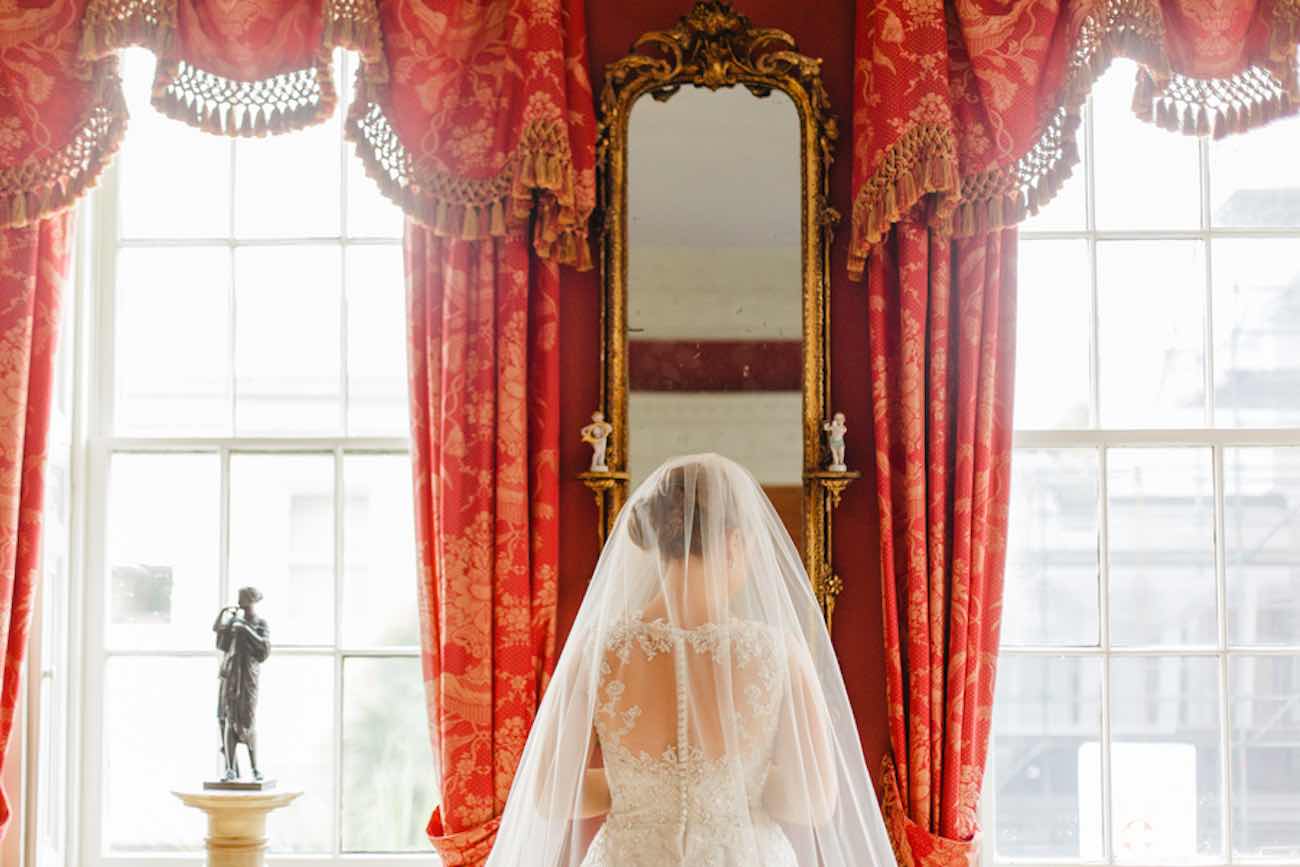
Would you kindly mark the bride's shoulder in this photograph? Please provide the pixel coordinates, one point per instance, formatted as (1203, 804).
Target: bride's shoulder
(630, 630)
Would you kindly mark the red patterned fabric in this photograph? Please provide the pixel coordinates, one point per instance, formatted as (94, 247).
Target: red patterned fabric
(972, 105)
(941, 322)
(484, 373)
(475, 116)
(61, 119)
(33, 266)
(477, 106)
(237, 68)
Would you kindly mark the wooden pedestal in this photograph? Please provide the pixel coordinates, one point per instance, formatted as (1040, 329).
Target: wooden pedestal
(237, 823)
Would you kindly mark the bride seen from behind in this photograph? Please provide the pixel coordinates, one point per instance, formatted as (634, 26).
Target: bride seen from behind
(697, 715)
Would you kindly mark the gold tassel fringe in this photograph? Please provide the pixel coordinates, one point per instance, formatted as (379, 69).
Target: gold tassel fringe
(537, 183)
(222, 106)
(966, 204)
(38, 189)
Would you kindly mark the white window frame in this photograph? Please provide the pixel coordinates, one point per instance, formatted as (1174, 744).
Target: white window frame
(1099, 439)
(96, 443)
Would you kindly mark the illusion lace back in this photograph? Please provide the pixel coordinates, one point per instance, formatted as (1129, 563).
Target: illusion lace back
(686, 788)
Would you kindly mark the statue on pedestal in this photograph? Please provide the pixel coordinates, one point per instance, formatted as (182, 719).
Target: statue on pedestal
(245, 642)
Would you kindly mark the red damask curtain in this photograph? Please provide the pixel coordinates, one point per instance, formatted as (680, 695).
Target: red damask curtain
(971, 106)
(477, 118)
(965, 115)
(484, 373)
(33, 265)
(941, 321)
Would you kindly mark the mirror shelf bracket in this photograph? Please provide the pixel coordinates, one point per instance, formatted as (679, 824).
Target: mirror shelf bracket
(829, 486)
(609, 488)
(834, 483)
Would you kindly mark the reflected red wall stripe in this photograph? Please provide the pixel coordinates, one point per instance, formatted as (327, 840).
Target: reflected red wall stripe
(714, 365)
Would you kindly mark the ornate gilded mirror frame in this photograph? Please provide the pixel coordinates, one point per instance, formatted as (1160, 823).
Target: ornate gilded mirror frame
(716, 47)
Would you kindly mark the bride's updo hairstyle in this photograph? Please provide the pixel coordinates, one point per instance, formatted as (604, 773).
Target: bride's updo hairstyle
(659, 519)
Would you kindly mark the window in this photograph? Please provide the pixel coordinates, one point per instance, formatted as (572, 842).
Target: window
(248, 425)
(1148, 705)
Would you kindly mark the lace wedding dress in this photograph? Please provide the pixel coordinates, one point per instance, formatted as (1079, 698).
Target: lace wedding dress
(696, 716)
(685, 801)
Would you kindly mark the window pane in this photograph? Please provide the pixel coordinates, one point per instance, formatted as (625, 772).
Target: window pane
(1047, 768)
(287, 344)
(377, 392)
(287, 186)
(282, 541)
(1255, 179)
(1147, 178)
(1054, 312)
(295, 720)
(163, 539)
(1052, 566)
(388, 790)
(160, 733)
(1261, 493)
(379, 607)
(172, 342)
(1161, 534)
(1265, 756)
(1257, 332)
(1166, 786)
(162, 194)
(370, 213)
(1151, 300)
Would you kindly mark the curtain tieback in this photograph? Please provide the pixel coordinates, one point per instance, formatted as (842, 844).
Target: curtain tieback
(471, 846)
(915, 846)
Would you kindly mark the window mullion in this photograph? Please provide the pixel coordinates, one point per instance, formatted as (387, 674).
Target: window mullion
(1103, 598)
(1090, 222)
(339, 520)
(232, 378)
(223, 519)
(1203, 157)
(343, 66)
(1225, 710)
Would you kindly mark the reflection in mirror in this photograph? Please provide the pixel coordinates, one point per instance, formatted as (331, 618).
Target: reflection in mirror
(714, 286)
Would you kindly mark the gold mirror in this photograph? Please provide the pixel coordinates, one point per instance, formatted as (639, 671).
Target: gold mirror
(715, 145)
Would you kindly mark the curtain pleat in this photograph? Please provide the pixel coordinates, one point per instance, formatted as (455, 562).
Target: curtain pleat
(484, 372)
(941, 317)
(33, 269)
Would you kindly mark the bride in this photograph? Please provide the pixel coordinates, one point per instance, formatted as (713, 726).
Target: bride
(697, 715)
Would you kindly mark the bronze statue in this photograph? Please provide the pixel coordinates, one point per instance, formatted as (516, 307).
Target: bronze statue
(245, 642)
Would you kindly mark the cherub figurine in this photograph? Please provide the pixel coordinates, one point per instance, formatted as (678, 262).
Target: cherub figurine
(597, 435)
(835, 431)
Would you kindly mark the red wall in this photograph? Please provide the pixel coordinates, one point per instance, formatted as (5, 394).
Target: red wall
(822, 30)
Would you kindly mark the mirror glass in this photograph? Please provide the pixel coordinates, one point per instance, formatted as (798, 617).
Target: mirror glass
(714, 306)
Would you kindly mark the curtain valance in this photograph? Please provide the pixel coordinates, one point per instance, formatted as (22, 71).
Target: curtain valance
(472, 116)
(978, 101)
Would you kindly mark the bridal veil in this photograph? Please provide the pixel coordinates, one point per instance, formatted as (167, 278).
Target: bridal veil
(697, 714)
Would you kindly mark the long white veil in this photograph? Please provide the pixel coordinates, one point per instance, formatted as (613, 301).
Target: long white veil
(697, 714)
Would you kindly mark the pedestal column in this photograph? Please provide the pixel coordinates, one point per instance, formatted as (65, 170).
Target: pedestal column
(237, 823)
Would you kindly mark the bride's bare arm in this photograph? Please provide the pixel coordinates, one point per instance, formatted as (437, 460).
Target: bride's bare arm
(804, 784)
(595, 799)
(593, 796)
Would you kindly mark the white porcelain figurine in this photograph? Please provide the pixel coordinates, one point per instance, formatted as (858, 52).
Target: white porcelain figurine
(835, 431)
(597, 434)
